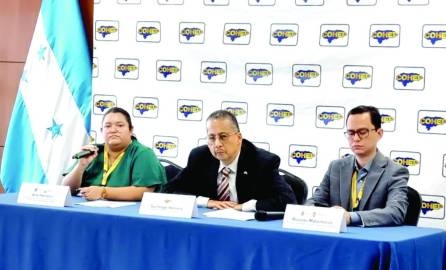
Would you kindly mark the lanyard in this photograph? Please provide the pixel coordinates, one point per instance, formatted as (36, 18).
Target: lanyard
(356, 196)
(107, 169)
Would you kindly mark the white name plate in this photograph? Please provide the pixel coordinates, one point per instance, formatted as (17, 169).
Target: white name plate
(168, 205)
(314, 218)
(44, 194)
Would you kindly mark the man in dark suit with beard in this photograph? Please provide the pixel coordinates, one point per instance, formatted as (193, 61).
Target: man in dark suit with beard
(231, 172)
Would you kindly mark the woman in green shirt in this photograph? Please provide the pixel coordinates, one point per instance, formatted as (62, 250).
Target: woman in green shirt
(121, 169)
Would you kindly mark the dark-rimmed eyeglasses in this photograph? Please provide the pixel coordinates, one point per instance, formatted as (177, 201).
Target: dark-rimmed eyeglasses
(362, 133)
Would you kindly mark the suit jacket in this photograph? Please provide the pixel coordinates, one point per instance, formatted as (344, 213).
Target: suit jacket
(384, 200)
(257, 178)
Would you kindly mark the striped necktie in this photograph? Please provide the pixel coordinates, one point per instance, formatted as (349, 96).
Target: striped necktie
(223, 186)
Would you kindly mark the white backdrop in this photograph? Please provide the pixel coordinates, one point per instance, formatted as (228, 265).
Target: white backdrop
(289, 69)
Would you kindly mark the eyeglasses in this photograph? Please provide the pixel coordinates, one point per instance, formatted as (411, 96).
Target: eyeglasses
(222, 137)
(362, 133)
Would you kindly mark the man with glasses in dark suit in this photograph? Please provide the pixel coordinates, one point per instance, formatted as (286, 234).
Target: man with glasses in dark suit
(371, 188)
(230, 172)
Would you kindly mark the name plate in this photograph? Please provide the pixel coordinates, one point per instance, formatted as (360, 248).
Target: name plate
(314, 218)
(168, 205)
(44, 194)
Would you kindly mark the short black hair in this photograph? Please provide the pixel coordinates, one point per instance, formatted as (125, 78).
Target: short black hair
(121, 111)
(375, 116)
(223, 114)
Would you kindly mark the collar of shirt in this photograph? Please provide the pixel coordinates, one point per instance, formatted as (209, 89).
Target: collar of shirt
(232, 165)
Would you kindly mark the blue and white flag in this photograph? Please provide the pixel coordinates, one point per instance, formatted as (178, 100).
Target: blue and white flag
(51, 115)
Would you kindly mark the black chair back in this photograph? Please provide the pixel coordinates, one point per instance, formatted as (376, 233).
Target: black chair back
(414, 208)
(172, 169)
(298, 185)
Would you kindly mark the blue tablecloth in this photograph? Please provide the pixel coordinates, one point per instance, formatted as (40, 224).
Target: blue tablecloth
(80, 237)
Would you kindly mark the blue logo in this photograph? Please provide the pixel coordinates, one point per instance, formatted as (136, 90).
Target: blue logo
(331, 35)
(385, 118)
(300, 156)
(236, 33)
(143, 107)
(328, 117)
(213, 71)
(148, 31)
(427, 206)
(106, 30)
(104, 104)
(406, 161)
(406, 78)
(257, 73)
(191, 32)
(304, 75)
(189, 109)
(164, 146)
(280, 114)
(381, 35)
(355, 76)
(168, 70)
(432, 121)
(283, 34)
(434, 36)
(125, 68)
(236, 111)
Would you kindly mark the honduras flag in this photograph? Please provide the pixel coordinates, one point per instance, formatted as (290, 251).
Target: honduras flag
(51, 115)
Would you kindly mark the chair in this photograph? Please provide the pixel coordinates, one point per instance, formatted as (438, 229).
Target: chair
(172, 169)
(298, 185)
(414, 208)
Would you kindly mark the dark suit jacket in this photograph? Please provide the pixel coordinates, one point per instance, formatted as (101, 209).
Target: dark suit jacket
(385, 192)
(257, 178)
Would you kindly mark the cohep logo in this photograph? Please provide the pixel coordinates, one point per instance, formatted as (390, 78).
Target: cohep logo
(434, 35)
(107, 30)
(410, 160)
(165, 146)
(309, 2)
(280, 114)
(168, 70)
(237, 33)
(170, 2)
(216, 2)
(432, 122)
(126, 68)
(262, 2)
(213, 72)
(259, 74)
(432, 206)
(263, 145)
(384, 35)
(307, 75)
(413, 2)
(146, 107)
(357, 77)
(409, 78)
(388, 119)
(239, 109)
(191, 32)
(330, 117)
(334, 35)
(345, 152)
(148, 31)
(284, 34)
(101, 103)
(189, 110)
(361, 2)
(95, 68)
(302, 156)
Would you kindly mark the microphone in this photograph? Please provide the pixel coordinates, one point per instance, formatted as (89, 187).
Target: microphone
(82, 154)
(268, 215)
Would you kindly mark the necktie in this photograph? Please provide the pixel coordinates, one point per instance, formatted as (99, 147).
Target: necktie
(223, 186)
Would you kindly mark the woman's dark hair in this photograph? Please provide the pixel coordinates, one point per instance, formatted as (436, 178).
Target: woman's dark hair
(121, 111)
(375, 116)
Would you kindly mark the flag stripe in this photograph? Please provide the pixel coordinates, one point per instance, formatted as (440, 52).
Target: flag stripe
(70, 49)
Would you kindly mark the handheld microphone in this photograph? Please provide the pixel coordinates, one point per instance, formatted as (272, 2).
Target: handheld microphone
(82, 154)
(268, 215)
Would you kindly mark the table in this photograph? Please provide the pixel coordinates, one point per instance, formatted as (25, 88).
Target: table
(80, 237)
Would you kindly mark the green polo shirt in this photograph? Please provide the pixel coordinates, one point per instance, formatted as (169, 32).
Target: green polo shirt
(138, 167)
